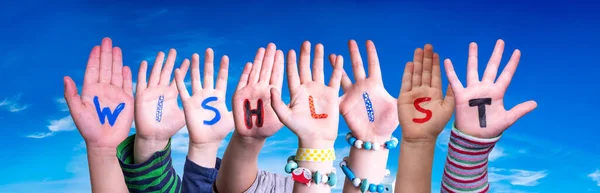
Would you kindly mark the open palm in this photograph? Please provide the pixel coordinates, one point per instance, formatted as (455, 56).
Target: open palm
(254, 85)
(492, 120)
(369, 110)
(423, 110)
(313, 110)
(157, 114)
(109, 84)
(204, 124)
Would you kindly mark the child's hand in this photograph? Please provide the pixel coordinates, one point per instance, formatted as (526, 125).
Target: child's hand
(423, 110)
(369, 110)
(479, 107)
(313, 113)
(104, 111)
(253, 115)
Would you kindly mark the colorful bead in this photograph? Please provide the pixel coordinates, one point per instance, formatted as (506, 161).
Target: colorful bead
(364, 185)
(305, 176)
(351, 140)
(367, 145)
(324, 179)
(376, 146)
(356, 182)
(317, 177)
(358, 143)
(348, 135)
(290, 166)
(380, 188)
(372, 188)
(332, 179)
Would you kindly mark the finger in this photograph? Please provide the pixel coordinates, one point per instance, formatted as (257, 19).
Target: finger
(436, 72)
(304, 65)
(92, 70)
(449, 100)
(117, 68)
(196, 83)
(165, 74)
(336, 76)
(223, 74)
(245, 76)
(281, 109)
(141, 80)
(407, 77)
(472, 74)
(267, 66)
(520, 110)
(127, 81)
(256, 66)
(156, 68)
(452, 78)
(277, 74)
(292, 72)
(317, 67)
(417, 68)
(492, 67)
(509, 70)
(357, 64)
(183, 92)
(71, 96)
(106, 61)
(427, 65)
(185, 65)
(209, 65)
(374, 68)
(346, 83)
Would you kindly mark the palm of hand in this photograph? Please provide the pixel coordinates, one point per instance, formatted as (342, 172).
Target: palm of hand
(325, 112)
(149, 121)
(407, 112)
(87, 120)
(353, 108)
(196, 115)
(467, 117)
(253, 93)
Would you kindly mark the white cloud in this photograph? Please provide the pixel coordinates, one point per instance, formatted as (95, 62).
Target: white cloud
(62, 104)
(12, 104)
(516, 176)
(595, 176)
(64, 124)
(496, 153)
(40, 135)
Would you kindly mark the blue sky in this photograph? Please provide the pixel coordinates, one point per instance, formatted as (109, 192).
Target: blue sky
(553, 149)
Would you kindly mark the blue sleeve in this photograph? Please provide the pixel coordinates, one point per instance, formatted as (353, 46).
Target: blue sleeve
(199, 179)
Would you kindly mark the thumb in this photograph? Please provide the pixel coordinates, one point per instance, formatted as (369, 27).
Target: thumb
(71, 96)
(281, 109)
(449, 100)
(520, 110)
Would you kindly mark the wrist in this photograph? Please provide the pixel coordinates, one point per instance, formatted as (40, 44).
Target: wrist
(145, 148)
(246, 141)
(203, 154)
(315, 144)
(105, 152)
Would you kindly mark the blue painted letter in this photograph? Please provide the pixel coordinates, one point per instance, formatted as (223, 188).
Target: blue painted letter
(217, 114)
(369, 107)
(159, 108)
(105, 112)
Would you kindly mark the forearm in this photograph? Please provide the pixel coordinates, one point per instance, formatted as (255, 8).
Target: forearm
(323, 167)
(366, 164)
(240, 164)
(414, 166)
(467, 163)
(105, 174)
(203, 154)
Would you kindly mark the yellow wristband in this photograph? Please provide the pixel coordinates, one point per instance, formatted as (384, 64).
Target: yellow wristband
(315, 155)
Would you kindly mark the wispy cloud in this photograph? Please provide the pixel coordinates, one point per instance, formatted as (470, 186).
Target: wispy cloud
(595, 176)
(496, 153)
(40, 135)
(62, 104)
(516, 176)
(63, 124)
(12, 104)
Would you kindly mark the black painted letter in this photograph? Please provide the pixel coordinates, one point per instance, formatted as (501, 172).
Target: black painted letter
(258, 112)
(480, 103)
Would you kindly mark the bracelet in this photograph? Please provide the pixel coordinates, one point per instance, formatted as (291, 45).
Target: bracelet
(391, 144)
(305, 176)
(315, 155)
(363, 184)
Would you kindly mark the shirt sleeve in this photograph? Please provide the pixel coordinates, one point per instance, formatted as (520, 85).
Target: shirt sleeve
(199, 179)
(467, 163)
(154, 175)
(267, 182)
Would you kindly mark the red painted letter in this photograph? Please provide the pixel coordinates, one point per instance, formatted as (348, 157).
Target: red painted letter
(422, 110)
(311, 104)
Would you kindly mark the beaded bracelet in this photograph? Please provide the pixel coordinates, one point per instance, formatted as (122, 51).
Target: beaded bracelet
(391, 144)
(305, 176)
(363, 184)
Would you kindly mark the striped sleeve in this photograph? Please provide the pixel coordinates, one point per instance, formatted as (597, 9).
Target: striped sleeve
(154, 175)
(467, 163)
